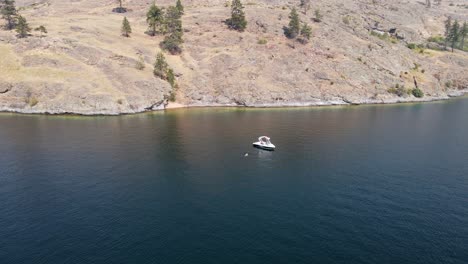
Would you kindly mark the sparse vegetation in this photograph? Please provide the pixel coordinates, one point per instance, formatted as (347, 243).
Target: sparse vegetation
(160, 66)
(22, 28)
(398, 90)
(140, 64)
(346, 20)
(9, 13)
(306, 33)
(41, 29)
(237, 20)
(293, 29)
(162, 70)
(454, 35)
(448, 28)
(262, 41)
(126, 28)
(31, 100)
(418, 93)
(155, 20)
(411, 46)
(180, 7)
(463, 35)
(385, 36)
(173, 41)
(318, 16)
(171, 77)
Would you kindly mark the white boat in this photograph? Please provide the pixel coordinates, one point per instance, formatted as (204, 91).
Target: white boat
(264, 143)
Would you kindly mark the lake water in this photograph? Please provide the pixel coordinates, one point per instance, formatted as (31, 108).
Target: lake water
(367, 184)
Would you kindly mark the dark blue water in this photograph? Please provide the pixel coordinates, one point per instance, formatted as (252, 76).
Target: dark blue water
(370, 184)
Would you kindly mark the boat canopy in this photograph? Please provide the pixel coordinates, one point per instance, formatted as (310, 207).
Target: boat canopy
(264, 139)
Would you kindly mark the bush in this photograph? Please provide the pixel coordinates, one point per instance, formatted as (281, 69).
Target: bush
(400, 91)
(411, 46)
(32, 101)
(437, 39)
(262, 41)
(417, 93)
(140, 64)
(172, 43)
(346, 20)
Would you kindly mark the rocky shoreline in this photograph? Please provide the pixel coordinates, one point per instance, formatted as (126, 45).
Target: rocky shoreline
(169, 106)
(85, 69)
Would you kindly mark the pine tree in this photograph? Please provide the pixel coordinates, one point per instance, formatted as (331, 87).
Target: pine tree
(318, 15)
(306, 32)
(173, 41)
(454, 35)
(160, 66)
(155, 19)
(9, 13)
(463, 34)
(180, 7)
(448, 28)
(294, 25)
(41, 29)
(237, 20)
(22, 28)
(126, 28)
(171, 77)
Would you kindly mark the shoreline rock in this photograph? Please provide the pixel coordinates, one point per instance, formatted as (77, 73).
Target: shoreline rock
(170, 106)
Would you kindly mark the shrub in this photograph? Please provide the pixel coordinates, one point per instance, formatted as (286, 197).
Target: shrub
(32, 101)
(411, 46)
(448, 84)
(262, 41)
(437, 39)
(417, 93)
(398, 90)
(140, 64)
(318, 16)
(346, 20)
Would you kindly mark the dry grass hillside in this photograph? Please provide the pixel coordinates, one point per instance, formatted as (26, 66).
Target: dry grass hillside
(83, 65)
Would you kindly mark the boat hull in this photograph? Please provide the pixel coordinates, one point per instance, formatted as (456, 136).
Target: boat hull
(263, 147)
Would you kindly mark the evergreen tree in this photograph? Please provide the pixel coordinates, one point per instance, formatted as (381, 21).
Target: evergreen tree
(41, 29)
(306, 32)
(155, 19)
(22, 27)
(173, 20)
(448, 28)
(160, 66)
(180, 7)
(463, 34)
(294, 25)
(171, 77)
(173, 41)
(9, 13)
(126, 28)
(318, 15)
(454, 35)
(237, 20)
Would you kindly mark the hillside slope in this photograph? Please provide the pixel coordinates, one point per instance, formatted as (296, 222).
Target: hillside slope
(84, 66)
